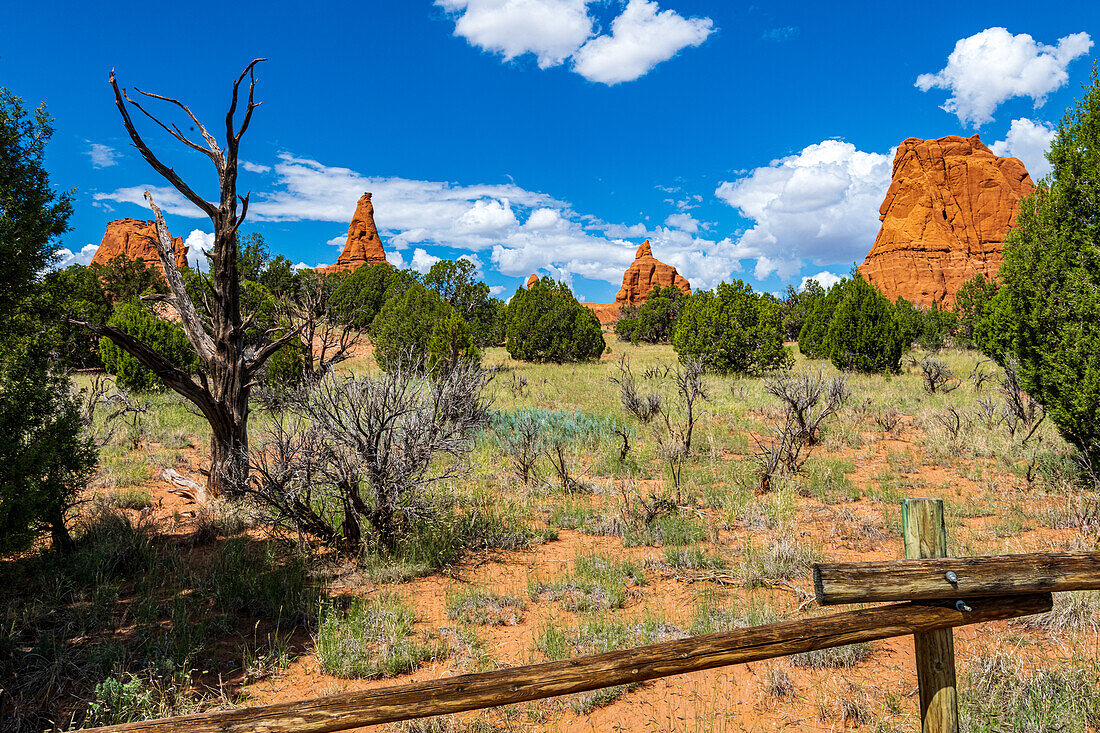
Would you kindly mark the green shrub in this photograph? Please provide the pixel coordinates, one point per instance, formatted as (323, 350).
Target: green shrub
(970, 305)
(928, 328)
(125, 279)
(285, 369)
(418, 324)
(819, 314)
(654, 320)
(546, 323)
(454, 281)
(1046, 315)
(77, 293)
(162, 336)
(864, 334)
(797, 305)
(732, 330)
(360, 295)
(46, 458)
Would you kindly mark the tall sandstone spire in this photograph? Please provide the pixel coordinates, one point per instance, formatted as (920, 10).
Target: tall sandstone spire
(364, 246)
(136, 240)
(645, 272)
(944, 220)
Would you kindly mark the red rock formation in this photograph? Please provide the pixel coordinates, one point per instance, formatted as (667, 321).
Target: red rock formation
(607, 313)
(944, 218)
(645, 272)
(137, 240)
(364, 245)
(534, 278)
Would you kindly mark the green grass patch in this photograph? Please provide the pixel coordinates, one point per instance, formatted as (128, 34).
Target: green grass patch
(371, 638)
(596, 583)
(483, 607)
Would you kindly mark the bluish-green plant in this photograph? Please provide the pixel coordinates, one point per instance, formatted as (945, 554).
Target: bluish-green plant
(526, 435)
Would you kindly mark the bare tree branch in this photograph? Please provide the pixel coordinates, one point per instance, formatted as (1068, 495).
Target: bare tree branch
(173, 376)
(250, 71)
(265, 353)
(214, 152)
(198, 337)
(169, 174)
(173, 130)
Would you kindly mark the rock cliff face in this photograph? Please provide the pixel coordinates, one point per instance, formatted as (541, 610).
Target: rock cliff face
(364, 246)
(645, 272)
(531, 280)
(607, 313)
(137, 240)
(944, 219)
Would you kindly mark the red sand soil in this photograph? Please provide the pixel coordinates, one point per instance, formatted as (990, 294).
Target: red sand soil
(728, 699)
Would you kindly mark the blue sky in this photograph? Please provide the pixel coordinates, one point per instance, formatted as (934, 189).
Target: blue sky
(551, 135)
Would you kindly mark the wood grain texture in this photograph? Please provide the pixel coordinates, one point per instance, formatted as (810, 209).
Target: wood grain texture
(926, 537)
(904, 580)
(532, 682)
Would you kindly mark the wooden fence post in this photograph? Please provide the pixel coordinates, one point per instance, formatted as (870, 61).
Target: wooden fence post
(926, 537)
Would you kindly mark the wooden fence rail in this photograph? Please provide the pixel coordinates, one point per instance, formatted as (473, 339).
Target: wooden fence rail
(955, 577)
(581, 674)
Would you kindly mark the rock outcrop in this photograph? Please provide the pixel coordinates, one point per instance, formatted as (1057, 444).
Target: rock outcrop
(645, 272)
(531, 280)
(137, 240)
(364, 246)
(607, 313)
(944, 219)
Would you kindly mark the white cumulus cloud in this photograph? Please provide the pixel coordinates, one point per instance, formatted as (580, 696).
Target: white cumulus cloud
(552, 30)
(486, 217)
(825, 279)
(198, 244)
(684, 222)
(819, 205)
(422, 261)
(641, 37)
(1028, 140)
(66, 257)
(103, 156)
(543, 219)
(993, 66)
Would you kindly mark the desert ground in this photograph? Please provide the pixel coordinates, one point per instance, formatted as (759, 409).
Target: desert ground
(208, 606)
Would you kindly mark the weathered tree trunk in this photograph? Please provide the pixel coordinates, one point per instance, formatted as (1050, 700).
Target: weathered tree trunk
(226, 373)
(62, 540)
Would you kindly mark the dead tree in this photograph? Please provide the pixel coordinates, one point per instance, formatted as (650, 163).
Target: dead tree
(810, 400)
(227, 371)
(364, 448)
(326, 338)
(678, 412)
(938, 377)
